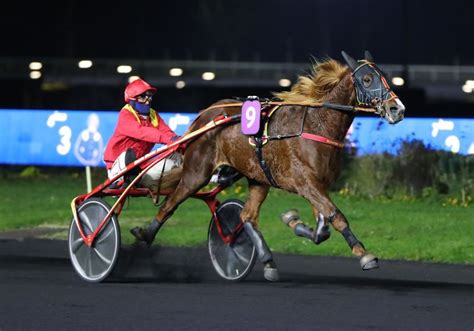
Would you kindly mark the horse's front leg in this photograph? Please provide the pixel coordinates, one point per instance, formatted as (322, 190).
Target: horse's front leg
(340, 223)
(322, 205)
(249, 215)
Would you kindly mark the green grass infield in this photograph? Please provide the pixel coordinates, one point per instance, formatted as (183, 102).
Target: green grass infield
(402, 229)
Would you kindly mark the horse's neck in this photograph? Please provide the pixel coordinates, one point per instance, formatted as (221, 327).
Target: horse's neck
(333, 123)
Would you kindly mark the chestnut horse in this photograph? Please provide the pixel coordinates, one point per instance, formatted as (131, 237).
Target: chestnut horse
(300, 164)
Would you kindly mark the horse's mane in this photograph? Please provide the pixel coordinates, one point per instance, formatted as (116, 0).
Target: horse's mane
(324, 77)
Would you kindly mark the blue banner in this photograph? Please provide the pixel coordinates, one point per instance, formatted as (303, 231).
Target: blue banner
(78, 138)
(373, 135)
(64, 138)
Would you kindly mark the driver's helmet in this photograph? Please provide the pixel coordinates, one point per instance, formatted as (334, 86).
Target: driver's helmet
(137, 87)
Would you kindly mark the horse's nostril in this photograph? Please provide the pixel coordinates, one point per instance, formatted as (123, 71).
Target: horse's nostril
(397, 110)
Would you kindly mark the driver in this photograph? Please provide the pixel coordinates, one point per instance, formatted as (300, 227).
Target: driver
(139, 128)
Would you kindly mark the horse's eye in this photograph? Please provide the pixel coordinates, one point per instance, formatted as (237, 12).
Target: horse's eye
(367, 80)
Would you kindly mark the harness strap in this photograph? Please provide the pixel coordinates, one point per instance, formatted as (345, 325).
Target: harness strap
(322, 139)
(270, 113)
(263, 163)
(305, 135)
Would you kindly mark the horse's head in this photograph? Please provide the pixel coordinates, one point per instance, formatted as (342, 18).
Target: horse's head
(372, 89)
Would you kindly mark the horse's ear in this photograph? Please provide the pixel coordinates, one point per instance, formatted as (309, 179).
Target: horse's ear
(369, 57)
(349, 60)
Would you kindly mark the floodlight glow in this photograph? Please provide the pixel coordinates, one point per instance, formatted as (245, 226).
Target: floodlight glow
(176, 72)
(36, 66)
(124, 69)
(470, 83)
(133, 78)
(398, 81)
(284, 82)
(35, 74)
(208, 75)
(467, 89)
(180, 84)
(84, 64)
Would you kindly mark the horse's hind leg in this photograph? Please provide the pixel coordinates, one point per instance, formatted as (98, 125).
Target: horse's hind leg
(249, 215)
(191, 182)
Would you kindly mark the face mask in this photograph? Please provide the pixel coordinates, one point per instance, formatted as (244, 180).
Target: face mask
(141, 108)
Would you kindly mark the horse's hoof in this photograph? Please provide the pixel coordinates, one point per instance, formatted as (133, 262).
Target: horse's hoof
(140, 234)
(270, 273)
(369, 261)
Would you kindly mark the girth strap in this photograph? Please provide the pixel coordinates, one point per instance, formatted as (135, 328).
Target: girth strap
(263, 164)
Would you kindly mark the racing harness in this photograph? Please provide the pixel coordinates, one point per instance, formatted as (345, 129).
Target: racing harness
(269, 107)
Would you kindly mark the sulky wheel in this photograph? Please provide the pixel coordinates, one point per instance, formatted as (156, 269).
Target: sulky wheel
(95, 263)
(232, 261)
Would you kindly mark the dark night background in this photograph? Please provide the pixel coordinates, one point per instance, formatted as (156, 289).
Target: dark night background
(396, 32)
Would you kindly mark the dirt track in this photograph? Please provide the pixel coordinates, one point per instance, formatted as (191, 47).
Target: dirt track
(177, 289)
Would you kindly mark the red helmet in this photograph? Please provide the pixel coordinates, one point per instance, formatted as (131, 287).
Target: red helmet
(136, 88)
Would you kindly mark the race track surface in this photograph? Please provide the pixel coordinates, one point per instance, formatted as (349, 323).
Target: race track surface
(177, 289)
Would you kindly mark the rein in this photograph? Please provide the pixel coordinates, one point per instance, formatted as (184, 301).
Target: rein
(305, 135)
(329, 105)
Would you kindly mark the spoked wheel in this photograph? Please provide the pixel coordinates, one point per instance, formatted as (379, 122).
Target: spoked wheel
(95, 263)
(232, 261)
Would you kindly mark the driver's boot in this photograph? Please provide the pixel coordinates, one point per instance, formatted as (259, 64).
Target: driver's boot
(130, 176)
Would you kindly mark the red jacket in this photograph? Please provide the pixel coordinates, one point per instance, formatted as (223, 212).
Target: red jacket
(136, 132)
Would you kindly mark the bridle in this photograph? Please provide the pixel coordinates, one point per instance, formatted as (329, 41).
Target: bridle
(379, 92)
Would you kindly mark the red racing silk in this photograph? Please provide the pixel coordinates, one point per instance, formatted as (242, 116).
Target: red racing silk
(138, 132)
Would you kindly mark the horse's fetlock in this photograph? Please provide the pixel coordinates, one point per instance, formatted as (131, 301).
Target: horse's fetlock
(291, 218)
(358, 250)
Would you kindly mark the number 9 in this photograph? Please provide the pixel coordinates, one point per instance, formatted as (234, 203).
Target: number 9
(250, 115)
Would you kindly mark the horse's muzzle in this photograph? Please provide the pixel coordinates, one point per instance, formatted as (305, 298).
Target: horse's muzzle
(394, 111)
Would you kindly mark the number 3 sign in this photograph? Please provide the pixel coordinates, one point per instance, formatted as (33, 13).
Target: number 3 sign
(250, 120)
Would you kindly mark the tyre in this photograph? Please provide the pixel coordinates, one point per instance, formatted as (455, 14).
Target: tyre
(94, 263)
(232, 261)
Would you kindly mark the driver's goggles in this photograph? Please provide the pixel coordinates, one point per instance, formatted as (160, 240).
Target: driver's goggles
(145, 97)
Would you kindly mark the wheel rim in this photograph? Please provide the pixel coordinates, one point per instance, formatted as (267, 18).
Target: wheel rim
(94, 263)
(235, 261)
